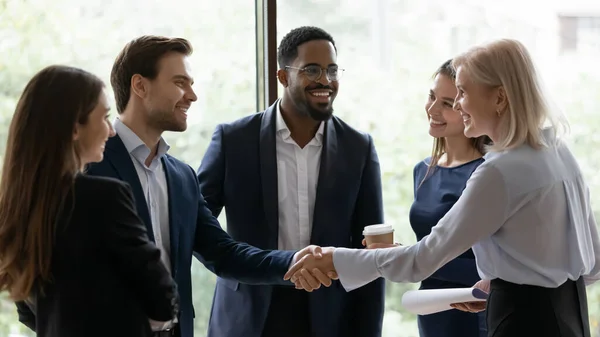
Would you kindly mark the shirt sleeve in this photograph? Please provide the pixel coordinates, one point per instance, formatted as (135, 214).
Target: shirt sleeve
(480, 211)
(594, 274)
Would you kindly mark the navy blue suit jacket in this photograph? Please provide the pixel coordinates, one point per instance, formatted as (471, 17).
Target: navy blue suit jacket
(239, 172)
(193, 229)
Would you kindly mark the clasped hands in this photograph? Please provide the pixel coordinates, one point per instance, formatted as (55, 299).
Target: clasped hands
(313, 267)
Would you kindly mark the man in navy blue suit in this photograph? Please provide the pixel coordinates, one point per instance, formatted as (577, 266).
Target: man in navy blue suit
(153, 91)
(301, 176)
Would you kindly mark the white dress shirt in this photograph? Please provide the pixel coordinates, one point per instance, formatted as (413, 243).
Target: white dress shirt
(297, 178)
(154, 185)
(525, 212)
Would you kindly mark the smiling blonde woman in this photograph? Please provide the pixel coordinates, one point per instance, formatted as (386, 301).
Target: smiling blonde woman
(525, 212)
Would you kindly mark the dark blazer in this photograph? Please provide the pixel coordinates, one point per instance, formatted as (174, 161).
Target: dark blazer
(107, 275)
(239, 172)
(194, 229)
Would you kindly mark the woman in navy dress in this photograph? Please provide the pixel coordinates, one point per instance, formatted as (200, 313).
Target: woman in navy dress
(438, 183)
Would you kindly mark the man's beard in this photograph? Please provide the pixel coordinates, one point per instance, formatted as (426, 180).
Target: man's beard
(305, 108)
(319, 115)
(166, 121)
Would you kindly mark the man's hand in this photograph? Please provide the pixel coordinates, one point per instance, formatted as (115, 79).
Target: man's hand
(313, 266)
(474, 306)
(316, 251)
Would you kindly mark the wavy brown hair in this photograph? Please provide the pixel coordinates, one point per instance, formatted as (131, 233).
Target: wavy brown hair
(40, 165)
(439, 144)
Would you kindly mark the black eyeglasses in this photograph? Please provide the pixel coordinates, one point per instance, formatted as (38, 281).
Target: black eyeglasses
(314, 72)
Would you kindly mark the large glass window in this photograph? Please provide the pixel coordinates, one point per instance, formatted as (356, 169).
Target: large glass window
(390, 50)
(89, 34)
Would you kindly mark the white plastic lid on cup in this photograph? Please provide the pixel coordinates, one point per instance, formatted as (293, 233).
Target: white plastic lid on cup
(377, 229)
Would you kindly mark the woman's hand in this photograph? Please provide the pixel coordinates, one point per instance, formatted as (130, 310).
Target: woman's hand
(474, 306)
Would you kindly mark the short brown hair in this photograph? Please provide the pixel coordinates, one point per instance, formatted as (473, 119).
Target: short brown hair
(141, 56)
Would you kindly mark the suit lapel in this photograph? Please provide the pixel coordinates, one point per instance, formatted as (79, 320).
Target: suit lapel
(327, 174)
(327, 177)
(173, 186)
(123, 164)
(268, 172)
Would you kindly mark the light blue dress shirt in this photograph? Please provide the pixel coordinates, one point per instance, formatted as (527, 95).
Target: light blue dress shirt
(525, 212)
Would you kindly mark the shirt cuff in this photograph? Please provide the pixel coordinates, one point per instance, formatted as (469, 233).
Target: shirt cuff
(355, 267)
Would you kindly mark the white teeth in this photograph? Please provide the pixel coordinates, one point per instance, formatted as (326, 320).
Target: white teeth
(436, 122)
(320, 93)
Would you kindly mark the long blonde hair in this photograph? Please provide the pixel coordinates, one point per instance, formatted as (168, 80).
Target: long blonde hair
(39, 170)
(506, 63)
(439, 143)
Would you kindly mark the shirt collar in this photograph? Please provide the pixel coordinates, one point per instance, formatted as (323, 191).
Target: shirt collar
(282, 128)
(549, 136)
(135, 146)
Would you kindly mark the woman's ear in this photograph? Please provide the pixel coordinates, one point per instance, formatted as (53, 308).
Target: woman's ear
(76, 132)
(501, 101)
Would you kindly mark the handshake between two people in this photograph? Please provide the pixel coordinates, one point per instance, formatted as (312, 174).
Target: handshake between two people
(313, 266)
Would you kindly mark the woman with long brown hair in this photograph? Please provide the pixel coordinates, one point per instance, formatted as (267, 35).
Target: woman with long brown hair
(438, 183)
(73, 253)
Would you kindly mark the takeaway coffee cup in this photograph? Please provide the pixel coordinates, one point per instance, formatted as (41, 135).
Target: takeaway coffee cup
(379, 234)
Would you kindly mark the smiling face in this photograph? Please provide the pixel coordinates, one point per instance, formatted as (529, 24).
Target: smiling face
(477, 105)
(310, 97)
(169, 96)
(444, 121)
(91, 136)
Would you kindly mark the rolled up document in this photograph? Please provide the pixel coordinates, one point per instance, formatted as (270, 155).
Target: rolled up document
(430, 301)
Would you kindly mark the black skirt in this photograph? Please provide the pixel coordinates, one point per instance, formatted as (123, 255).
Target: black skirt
(529, 311)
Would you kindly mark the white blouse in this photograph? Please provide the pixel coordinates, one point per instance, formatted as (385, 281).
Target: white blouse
(526, 213)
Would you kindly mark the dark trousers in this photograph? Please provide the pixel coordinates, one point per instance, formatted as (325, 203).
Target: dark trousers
(530, 311)
(288, 314)
(175, 332)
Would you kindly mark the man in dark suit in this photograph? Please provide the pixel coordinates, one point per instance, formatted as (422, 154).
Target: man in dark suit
(300, 176)
(153, 91)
